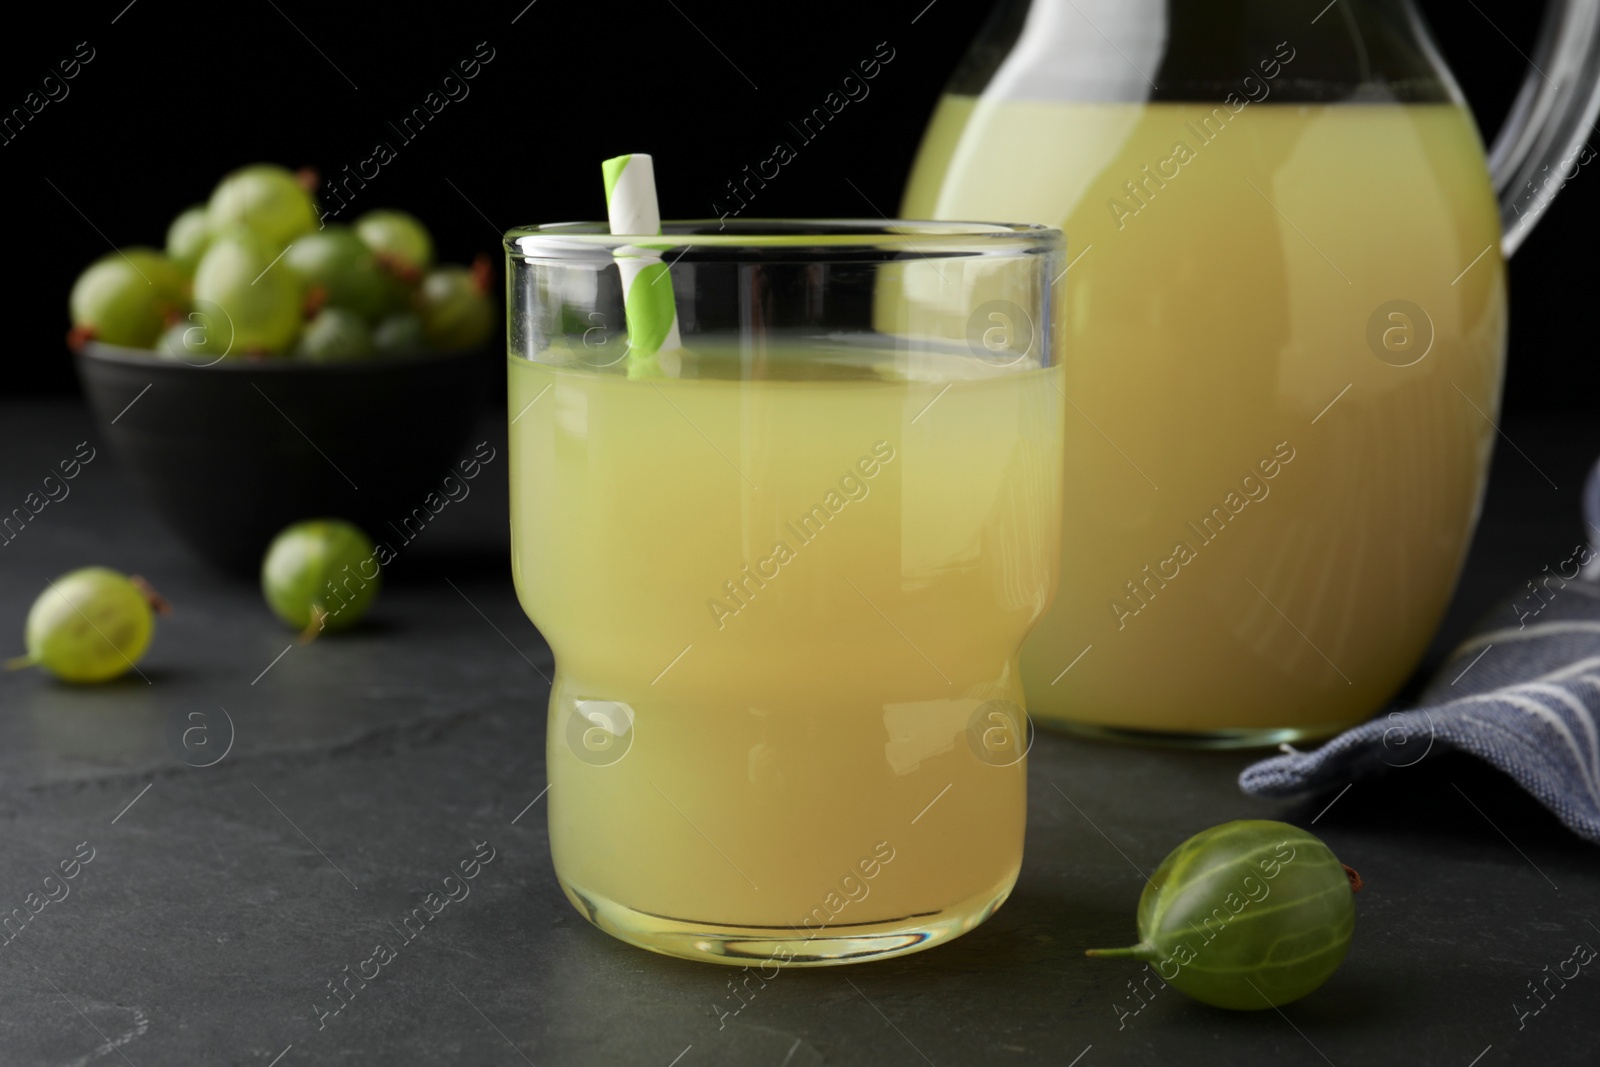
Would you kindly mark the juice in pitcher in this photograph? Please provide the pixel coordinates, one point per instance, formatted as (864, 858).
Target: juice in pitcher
(1285, 325)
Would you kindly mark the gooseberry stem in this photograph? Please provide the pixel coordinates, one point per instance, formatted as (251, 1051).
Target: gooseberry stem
(1355, 877)
(20, 663)
(316, 299)
(1141, 951)
(397, 267)
(315, 626)
(158, 603)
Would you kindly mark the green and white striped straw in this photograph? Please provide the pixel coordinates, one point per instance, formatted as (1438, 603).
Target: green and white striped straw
(654, 348)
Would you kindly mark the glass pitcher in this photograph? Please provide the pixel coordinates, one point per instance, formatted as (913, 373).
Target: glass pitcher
(1286, 316)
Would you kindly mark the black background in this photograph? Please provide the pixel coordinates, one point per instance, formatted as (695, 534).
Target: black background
(179, 93)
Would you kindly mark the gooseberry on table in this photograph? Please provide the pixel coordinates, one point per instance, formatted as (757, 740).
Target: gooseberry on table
(1248, 915)
(320, 574)
(91, 625)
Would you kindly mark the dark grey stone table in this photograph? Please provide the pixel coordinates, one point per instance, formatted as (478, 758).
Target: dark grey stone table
(221, 902)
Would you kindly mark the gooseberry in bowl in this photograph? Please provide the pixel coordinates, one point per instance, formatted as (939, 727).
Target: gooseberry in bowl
(268, 366)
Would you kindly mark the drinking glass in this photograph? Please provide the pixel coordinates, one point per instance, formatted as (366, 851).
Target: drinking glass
(786, 570)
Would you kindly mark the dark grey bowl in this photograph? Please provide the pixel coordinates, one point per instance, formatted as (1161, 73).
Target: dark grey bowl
(232, 453)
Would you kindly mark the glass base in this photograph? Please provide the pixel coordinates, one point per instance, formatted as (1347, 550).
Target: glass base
(1263, 737)
(742, 946)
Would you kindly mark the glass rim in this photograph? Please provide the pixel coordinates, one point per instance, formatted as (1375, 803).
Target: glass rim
(561, 240)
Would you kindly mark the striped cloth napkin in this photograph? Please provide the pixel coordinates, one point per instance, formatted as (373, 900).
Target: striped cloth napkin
(1522, 694)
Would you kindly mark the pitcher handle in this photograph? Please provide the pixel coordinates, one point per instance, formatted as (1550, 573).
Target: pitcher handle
(1544, 139)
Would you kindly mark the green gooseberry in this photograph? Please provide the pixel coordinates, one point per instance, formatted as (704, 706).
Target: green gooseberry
(125, 298)
(455, 310)
(398, 237)
(1247, 915)
(321, 574)
(91, 625)
(342, 265)
(334, 336)
(187, 238)
(399, 335)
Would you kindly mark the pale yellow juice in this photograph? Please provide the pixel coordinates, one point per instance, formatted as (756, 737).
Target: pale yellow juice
(803, 590)
(1264, 519)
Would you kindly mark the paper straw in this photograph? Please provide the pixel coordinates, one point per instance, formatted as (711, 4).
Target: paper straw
(653, 342)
